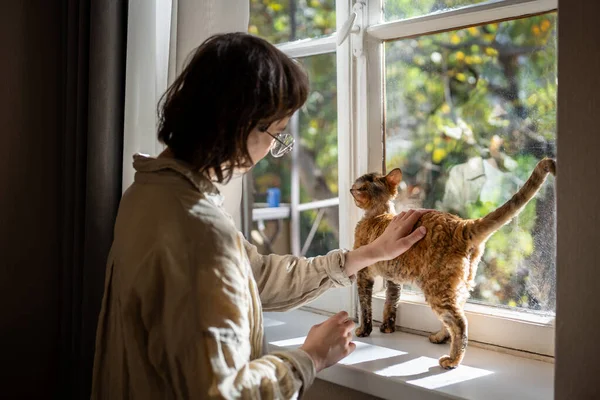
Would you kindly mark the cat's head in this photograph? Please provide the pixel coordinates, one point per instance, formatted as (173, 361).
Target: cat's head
(374, 189)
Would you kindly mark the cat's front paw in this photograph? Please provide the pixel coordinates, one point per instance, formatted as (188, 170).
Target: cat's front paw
(363, 330)
(387, 327)
(448, 363)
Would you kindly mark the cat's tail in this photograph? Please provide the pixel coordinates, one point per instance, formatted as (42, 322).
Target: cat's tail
(482, 228)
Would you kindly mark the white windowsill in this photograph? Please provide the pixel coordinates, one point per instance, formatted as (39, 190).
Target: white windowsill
(402, 365)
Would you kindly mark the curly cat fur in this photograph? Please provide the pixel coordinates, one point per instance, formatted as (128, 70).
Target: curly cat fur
(443, 264)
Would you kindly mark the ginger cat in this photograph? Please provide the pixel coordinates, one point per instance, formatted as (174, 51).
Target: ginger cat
(443, 264)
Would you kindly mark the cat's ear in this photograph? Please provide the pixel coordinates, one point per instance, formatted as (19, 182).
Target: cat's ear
(394, 177)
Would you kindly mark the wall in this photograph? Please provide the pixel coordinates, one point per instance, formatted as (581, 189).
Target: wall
(30, 35)
(578, 201)
(161, 36)
(196, 22)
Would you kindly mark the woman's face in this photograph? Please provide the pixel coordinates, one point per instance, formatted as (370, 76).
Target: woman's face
(260, 142)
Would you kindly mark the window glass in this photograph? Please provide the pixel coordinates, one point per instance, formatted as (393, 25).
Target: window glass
(318, 157)
(319, 231)
(469, 113)
(317, 167)
(282, 21)
(401, 9)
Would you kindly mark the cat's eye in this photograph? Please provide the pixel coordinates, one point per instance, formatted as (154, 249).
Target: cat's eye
(362, 189)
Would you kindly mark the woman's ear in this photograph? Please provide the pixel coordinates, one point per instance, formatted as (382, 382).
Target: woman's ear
(394, 177)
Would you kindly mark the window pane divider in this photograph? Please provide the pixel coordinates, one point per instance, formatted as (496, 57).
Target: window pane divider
(319, 204)
(478, 14)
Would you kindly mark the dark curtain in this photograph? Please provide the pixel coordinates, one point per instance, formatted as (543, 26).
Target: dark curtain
(61, 116)
(94, 64)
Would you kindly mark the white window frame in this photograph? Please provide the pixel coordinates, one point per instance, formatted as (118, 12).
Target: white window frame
(361, 110)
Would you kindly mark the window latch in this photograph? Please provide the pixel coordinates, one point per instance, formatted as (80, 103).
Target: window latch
(354, 25)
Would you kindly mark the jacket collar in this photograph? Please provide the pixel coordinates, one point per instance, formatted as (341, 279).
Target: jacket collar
(145, 164)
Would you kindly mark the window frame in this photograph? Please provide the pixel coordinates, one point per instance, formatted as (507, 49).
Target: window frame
(510, 329)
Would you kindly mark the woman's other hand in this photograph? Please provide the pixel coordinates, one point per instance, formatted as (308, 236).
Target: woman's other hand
(329, 342)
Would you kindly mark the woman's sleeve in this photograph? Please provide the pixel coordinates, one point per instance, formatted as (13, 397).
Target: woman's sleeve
(286, 282)
(205, 335)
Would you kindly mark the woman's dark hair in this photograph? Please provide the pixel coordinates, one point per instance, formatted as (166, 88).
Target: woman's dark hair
(233, 83)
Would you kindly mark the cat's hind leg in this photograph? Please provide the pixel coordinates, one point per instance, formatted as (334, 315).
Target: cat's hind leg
(392, 298)
(365, 292)
(440, 337)
(454, 319)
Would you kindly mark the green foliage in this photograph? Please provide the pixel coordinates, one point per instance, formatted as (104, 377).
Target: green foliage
(400, 9)
(318, 119)
(273, 19)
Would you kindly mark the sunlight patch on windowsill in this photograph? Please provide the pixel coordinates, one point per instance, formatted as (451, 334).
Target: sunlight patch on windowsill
(424, 371)
(364, 352)
(429, 375)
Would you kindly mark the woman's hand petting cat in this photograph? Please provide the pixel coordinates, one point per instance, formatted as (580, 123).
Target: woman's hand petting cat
(397, 237)
(329, 342)
(395, 240)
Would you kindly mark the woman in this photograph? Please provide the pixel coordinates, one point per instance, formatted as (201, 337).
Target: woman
(182, 310)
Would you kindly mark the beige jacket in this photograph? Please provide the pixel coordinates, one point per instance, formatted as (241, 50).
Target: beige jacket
(181, 316)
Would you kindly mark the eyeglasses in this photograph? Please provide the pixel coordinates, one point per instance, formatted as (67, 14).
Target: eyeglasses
(283, 144)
